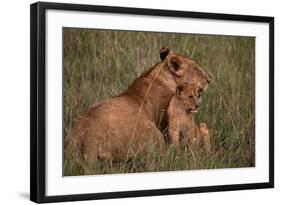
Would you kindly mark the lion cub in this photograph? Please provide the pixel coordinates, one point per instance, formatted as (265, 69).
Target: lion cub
(182, 128)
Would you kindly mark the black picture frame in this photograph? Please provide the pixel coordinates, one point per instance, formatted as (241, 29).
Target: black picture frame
(38, 101)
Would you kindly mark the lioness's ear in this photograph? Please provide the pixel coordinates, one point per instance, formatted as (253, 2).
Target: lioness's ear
(164, 52)
(174, 64)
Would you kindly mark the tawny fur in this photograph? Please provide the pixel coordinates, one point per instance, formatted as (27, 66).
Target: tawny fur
(182, 128)
(126, 125)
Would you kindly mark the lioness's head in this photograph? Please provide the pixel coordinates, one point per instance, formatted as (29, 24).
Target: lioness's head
(189, 96)
(184, 69)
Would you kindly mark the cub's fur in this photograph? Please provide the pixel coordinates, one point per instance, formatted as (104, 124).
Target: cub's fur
(181, 121)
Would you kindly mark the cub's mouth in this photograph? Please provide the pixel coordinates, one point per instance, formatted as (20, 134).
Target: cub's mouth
(194, 110)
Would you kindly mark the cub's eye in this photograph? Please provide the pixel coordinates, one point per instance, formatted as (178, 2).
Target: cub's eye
(190, 96)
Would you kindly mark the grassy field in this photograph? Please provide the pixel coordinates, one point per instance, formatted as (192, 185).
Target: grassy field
(99, 64)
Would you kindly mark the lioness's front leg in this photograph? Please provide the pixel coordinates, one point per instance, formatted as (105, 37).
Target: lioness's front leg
(158, 140)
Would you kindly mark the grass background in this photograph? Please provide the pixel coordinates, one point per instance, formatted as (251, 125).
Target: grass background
(99, 64)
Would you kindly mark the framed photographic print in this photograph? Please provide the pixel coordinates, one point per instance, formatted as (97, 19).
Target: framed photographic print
(129, 102)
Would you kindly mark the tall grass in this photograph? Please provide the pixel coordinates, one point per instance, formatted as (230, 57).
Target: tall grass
(99, 64)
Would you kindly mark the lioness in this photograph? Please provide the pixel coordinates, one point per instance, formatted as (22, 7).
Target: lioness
(181, 121)
(125, 125)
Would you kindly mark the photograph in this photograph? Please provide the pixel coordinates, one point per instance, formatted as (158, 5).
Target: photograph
(138, 101)
(134, 102)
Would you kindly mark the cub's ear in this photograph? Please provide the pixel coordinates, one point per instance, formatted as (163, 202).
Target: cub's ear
(179, 89)
(164, 52)
(174, 63)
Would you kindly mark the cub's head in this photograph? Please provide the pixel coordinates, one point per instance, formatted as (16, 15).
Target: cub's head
(184, 69)
(189, 96)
